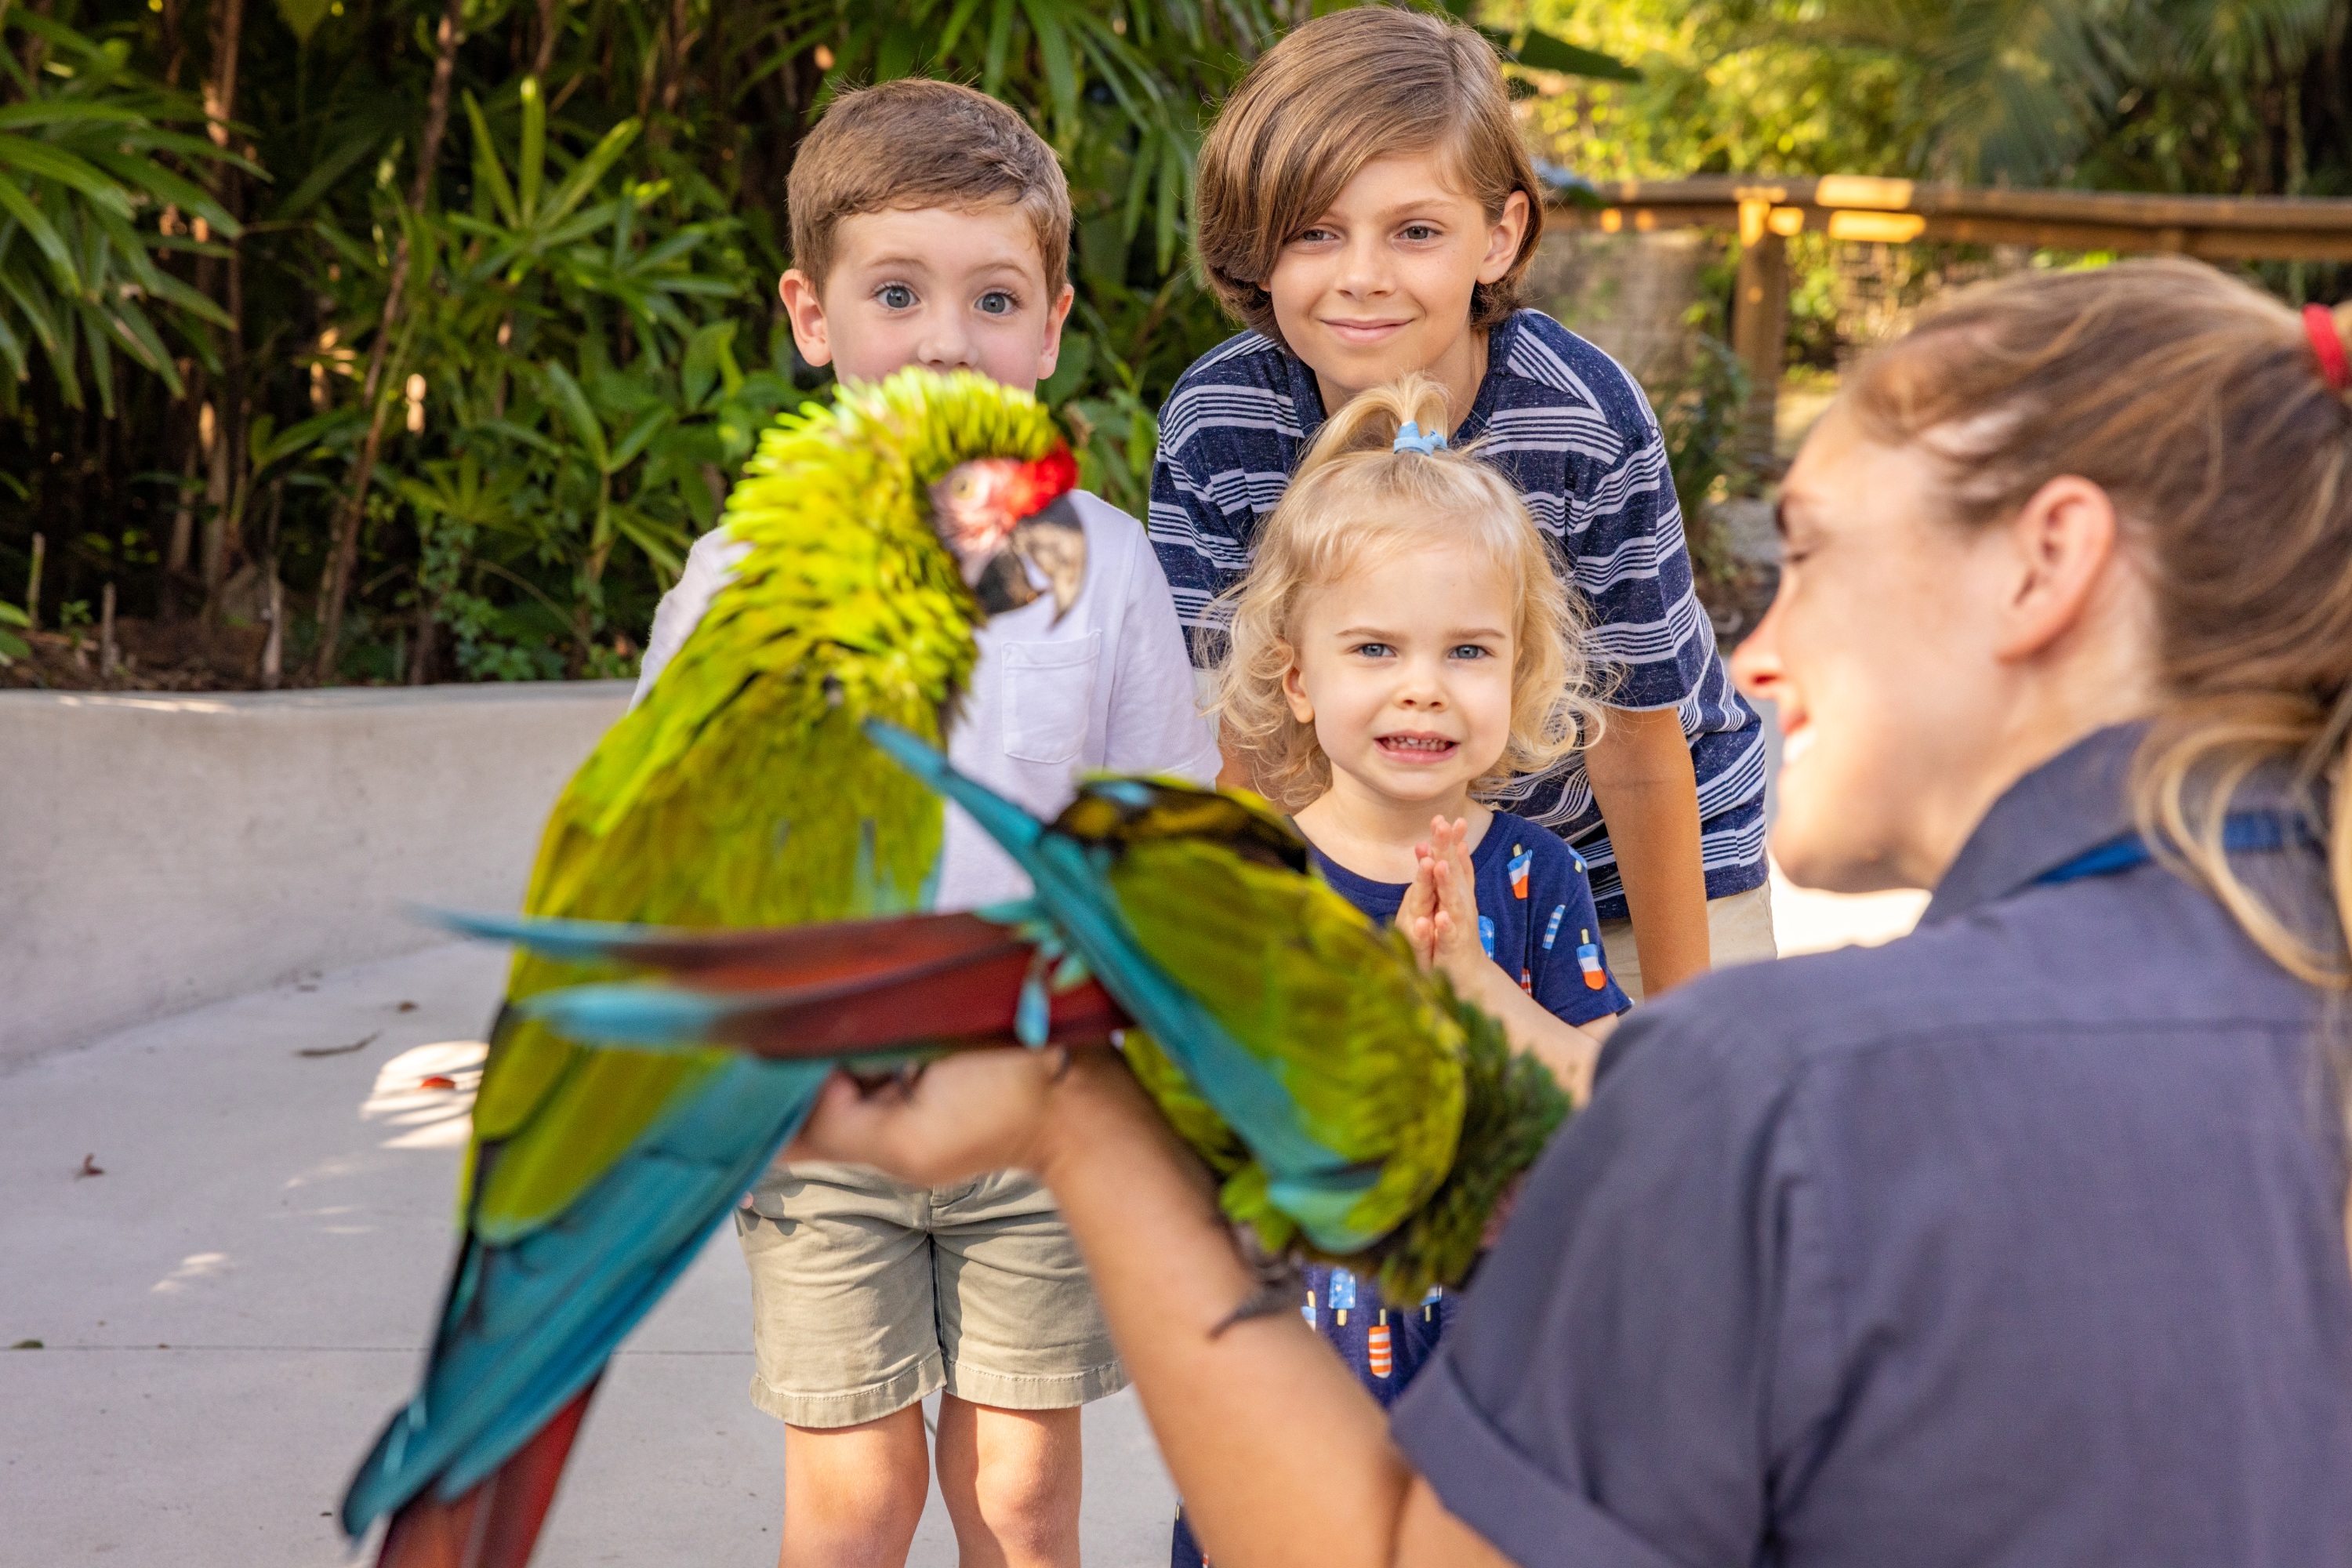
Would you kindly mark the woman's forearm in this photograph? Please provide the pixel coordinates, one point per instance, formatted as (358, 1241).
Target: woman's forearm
(1279, 1456)
(1570, 1052)
(1643, 781)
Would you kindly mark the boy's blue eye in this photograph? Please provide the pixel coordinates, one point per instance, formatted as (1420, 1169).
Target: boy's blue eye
(895, 295)
(1419, 231)
(997, 302)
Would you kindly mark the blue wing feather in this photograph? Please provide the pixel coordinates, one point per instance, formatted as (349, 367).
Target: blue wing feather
(527, 1326)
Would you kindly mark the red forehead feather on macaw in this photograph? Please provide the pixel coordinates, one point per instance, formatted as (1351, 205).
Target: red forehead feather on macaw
(983, 503)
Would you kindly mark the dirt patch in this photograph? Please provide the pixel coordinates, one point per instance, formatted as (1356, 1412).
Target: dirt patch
(185, 655)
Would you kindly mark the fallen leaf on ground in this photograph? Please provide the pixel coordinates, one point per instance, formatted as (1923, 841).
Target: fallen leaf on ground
(29, 1345)
(439, 1080)
(405, 1007)
(90, 1167)
(339, 1050)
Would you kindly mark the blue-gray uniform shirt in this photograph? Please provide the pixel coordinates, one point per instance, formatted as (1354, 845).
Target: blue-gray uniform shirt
(2019, 1241)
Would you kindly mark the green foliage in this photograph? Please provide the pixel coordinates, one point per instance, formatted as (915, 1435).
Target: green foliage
(2224, 95)
(85, 176)
(587, 320)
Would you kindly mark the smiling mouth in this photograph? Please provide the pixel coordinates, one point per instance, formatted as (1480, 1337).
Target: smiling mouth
(1364, 329)
(1418, 748)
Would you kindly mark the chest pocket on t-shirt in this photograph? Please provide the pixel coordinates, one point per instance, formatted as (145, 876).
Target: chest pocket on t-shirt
(1047, 689)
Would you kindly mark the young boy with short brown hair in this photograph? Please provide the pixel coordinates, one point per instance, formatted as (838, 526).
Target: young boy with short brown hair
(931, 225)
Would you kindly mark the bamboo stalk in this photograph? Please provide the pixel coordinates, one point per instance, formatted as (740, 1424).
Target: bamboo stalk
(33, 584)
(345, 556)
(106, 653)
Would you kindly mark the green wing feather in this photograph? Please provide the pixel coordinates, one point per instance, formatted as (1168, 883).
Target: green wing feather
(1386, 1063)
(1307, 984)
(741, 792)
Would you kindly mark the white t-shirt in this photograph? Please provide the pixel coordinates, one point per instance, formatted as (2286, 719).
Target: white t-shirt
(1109, 689)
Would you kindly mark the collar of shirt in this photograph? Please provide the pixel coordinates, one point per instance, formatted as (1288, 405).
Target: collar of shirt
(2071, 803)
(1307, 393)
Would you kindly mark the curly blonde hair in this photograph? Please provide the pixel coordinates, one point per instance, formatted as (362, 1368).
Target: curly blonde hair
(1354, 500)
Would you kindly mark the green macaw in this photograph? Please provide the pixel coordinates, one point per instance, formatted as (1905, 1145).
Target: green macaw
(742, 792)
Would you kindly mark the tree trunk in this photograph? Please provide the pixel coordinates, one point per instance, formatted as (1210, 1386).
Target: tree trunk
(228, 444)
(184, 503)
(344, 556)
(551, 13)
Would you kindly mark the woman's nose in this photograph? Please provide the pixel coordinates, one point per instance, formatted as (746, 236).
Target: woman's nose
(1756, 667)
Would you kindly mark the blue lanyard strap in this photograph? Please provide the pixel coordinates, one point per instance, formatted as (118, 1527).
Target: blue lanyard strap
(2242, 833)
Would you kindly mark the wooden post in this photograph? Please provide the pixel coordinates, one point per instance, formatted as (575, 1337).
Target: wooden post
(1759, 324)
(105, 650)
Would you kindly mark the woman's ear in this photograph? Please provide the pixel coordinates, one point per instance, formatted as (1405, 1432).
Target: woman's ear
(2062, 543)
(1504, 238)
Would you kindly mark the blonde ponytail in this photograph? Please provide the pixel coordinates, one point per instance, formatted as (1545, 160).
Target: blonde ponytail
(1370, 422)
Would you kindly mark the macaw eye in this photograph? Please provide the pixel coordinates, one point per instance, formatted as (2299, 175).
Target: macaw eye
(964, 487)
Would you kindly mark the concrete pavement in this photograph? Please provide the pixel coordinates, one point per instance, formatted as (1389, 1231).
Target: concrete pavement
(232, 1308)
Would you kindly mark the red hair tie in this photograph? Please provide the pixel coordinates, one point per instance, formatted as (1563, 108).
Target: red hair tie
(2319, 325)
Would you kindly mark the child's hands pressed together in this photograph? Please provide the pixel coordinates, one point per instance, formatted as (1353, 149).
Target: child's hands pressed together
(1440, 912)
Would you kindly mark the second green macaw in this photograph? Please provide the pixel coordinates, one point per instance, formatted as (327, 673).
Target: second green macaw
(1354, 1109)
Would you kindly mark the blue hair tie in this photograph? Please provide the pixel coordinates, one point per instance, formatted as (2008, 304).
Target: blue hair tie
(1409, 439)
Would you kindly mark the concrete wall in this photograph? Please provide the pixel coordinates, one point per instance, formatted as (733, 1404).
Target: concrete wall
(159, 851)
(1627, 293)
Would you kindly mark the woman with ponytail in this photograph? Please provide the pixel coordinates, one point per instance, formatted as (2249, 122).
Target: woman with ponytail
(2019, 1241)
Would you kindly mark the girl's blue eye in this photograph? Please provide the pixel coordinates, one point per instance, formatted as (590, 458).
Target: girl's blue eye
(997, 302)
(1469, 650)
(895, 295)
(1372, 650)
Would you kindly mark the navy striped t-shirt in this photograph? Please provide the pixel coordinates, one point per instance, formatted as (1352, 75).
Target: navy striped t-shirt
(1576, 437)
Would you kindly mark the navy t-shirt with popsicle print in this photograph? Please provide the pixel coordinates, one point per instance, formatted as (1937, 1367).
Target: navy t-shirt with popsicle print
(1536, 916)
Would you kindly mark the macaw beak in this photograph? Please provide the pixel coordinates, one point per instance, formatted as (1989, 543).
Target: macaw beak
(1050, 543)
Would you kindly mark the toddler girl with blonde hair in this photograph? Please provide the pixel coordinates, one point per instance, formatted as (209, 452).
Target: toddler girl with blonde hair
(1401, 647)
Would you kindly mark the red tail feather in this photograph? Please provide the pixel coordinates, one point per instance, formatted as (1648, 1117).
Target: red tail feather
(867, 985)
(495, 1524)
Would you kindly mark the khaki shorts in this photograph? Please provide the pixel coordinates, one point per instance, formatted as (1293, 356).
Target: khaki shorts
(868, 1294)
(1739, 931)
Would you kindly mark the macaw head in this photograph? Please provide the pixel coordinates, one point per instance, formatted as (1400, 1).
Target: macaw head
(1008, 522)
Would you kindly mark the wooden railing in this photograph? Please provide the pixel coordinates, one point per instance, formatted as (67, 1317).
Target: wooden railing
(1768, 213)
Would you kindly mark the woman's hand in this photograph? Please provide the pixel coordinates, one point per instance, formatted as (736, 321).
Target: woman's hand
(965, 1113)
